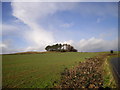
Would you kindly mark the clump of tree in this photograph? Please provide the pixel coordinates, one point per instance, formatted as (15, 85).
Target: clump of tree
(60, 48)
(111, 51)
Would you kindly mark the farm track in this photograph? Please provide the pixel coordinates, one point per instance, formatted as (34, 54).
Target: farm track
(87, 74)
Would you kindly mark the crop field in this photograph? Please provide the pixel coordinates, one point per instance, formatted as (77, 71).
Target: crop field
(38, 70)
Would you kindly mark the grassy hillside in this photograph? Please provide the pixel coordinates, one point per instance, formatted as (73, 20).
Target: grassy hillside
(38, 70)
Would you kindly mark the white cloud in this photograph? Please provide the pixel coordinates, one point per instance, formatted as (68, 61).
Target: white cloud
(96, 44)
(66, 42)
(85, 45)
(2, 45)
(31, 14)
(38, 37)
(5, 47)
(93, 44)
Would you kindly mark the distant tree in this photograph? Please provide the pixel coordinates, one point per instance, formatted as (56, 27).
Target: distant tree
(71, 48)
(74, 50)
(68, 47)
(61, 48)
(111, 51)
(48, 48)
(56, 47)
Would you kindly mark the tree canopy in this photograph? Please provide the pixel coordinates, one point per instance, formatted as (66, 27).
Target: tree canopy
(61, 48)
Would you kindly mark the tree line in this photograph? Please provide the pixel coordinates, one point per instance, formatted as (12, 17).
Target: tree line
(61, 48)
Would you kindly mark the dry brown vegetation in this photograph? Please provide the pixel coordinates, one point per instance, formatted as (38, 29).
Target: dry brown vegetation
(88, 74)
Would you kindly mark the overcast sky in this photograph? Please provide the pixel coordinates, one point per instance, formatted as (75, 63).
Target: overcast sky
(30, 26)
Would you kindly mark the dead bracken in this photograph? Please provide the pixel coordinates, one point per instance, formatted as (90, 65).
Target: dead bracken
(87, 74)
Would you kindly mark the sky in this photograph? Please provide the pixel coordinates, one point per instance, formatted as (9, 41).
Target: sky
(31, 26)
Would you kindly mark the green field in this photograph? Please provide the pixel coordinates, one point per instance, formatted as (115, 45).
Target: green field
(38, 70)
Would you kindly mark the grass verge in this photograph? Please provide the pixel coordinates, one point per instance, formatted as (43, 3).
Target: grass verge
(108, 78)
